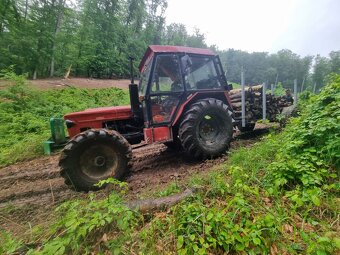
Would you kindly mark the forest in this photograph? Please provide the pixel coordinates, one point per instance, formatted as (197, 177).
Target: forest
(94, 38)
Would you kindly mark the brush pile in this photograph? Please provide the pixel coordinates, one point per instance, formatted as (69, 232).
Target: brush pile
(253, 102)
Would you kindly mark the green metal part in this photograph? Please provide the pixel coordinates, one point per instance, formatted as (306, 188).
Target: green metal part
(58, 130)
(58, 138)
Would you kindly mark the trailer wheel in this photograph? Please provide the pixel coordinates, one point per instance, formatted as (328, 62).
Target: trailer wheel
(248, 128)
(206, 129)
(94, 155)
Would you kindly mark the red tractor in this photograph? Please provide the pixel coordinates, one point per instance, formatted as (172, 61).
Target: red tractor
(182, 101)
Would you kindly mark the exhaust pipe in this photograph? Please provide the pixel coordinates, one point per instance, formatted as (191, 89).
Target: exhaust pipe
(133, 91)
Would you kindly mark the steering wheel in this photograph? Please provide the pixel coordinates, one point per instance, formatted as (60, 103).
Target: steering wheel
(212, 81)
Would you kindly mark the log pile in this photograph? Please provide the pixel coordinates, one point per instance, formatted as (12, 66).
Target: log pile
(253, 103)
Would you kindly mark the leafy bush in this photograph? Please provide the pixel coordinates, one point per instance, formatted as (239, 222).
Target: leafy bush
(279, 90)
(25, 113)
(82, 223)
(310, 147)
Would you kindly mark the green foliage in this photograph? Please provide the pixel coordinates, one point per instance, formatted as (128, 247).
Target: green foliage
(171, 189)
(230, 228)
(279, 90)
(321, 68)
(8, 244)
(114, 184)
(82, 223)
(25, 113)
(121, 185)
(309, 155)
(94, 37)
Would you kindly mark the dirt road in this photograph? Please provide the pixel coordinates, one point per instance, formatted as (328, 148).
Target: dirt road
(31, 190)
(55, 83)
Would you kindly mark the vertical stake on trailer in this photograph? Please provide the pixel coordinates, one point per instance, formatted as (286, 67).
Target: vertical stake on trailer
(277, 76)
(243, 99)
(295, 92)
(272, 88)
(264, 101)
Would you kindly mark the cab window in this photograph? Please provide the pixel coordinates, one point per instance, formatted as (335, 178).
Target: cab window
(201, 74)
(144, 78)
(167, 76)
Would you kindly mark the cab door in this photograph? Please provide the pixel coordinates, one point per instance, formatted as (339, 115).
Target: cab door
(166, 89)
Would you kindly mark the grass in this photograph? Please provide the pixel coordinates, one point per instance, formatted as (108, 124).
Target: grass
(25, 113)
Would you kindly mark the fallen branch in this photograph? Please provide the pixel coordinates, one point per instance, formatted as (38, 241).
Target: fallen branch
(147, 205)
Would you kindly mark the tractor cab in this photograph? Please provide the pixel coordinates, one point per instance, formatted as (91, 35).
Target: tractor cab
(171, 76)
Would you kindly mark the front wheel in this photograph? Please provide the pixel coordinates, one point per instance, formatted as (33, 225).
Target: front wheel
(94, 155)
(207, 128)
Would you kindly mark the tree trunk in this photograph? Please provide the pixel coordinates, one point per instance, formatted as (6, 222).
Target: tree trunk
(67, 74)
(35, 74)
(26, 9)
(3, 15)
(303, 83)
(56, 31)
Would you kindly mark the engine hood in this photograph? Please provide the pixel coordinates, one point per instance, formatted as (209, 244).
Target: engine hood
(101, 114)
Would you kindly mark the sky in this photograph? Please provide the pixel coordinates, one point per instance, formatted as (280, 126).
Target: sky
(307, 27)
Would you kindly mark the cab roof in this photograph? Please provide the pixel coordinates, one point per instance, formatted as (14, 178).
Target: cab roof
(171, 49)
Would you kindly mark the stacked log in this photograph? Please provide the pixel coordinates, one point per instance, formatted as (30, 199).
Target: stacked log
(253, 104)
(283, 102)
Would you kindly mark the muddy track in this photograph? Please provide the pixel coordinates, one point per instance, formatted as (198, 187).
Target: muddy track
(37, 186)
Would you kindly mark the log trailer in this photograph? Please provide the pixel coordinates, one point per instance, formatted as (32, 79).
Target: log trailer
(182, 100)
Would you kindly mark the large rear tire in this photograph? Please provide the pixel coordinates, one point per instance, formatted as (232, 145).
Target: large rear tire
(206, 129)
(94, 155)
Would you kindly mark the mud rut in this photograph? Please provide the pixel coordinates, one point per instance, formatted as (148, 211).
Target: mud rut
(31, 190)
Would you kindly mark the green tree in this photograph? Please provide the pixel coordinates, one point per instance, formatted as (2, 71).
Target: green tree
(335, 61)
(321, 69)
(197, 39)
(176, 34)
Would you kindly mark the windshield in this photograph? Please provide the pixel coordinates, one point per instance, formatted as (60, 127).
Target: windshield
(143, 83)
